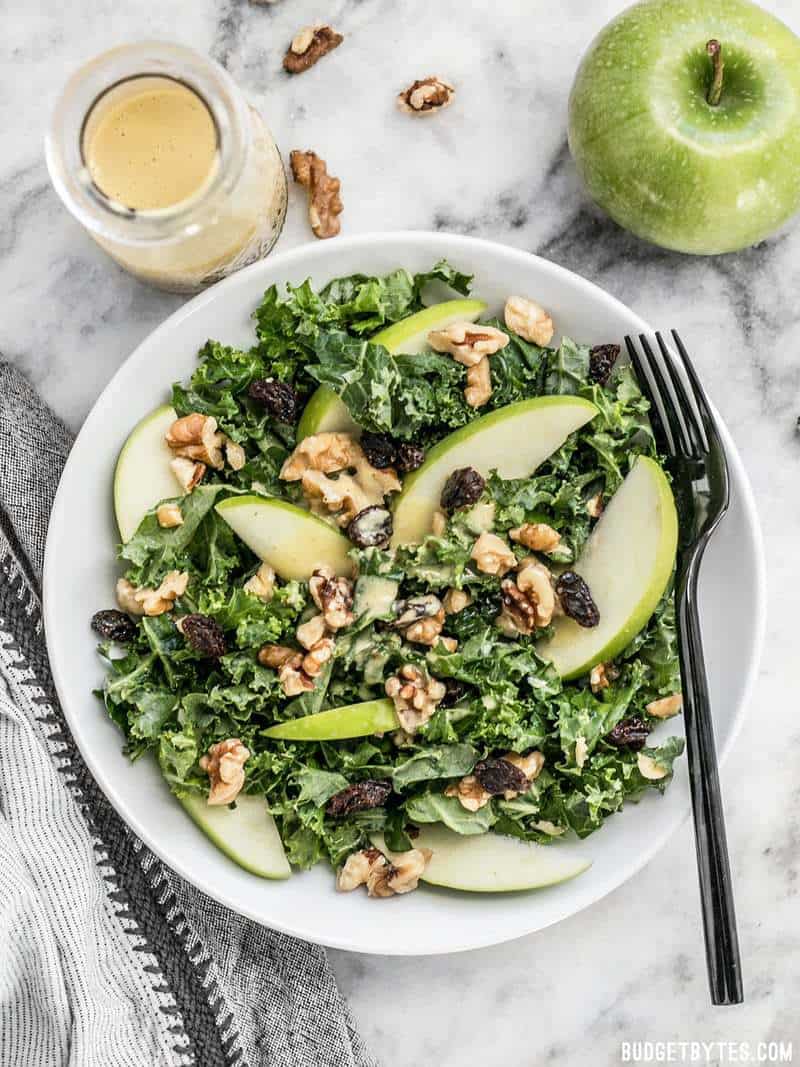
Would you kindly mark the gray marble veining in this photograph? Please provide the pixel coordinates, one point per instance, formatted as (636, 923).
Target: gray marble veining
(496, 164)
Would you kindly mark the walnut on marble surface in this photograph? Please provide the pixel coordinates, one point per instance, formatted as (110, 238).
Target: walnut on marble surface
(526, 318)
(426, 96)
(224, 765)
(143, 600)
(308, 46)
(324, 202)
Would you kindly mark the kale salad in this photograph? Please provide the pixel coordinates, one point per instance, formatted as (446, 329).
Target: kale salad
(397, 579)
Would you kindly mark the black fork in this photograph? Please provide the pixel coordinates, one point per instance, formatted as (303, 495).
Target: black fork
(688, 433)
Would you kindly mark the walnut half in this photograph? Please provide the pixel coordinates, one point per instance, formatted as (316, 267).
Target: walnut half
(146, 601)
(324, 202)
(416, 696)
(308, 46)
(425, 96)
(383, 879)
(224, 765)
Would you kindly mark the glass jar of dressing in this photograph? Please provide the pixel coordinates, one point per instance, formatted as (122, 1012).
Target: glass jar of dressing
(153, 148)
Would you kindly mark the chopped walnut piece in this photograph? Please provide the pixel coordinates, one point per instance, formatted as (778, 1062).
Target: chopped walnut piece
(455, 600)
(415, 694)
(468, 342)
(529, 320)
(479, 384)
(333, 596)
(471, 794)
(147, 601)
(666, 707)
(650, 768)
(224, 765)
(308, 633)
(492, 555)
(425, 96)
(382, 877)
(308, 46)
(537, 536)
(598, 679)
(426, 631)
(594, 506)
(196, 437)
(421, 618)
(169, 516)
(234, 454)
(348, 494)
(294, 680)
(317, 656)
(324, 202)
(187, 473)
(262, 583)
(276, 655)
(529, 601)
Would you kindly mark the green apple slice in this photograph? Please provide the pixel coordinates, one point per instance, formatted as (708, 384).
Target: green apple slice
(246, 833)
(325, 412)
(513, 440)
(338, 724)
(142, 477)
(627, 563)
(492, 863)
(292, 540)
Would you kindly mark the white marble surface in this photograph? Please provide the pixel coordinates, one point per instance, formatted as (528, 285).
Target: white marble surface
(496, 165)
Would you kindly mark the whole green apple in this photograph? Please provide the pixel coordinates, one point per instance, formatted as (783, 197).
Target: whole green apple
(684, 123)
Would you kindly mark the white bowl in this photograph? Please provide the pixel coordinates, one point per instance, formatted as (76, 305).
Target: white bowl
(80, 570)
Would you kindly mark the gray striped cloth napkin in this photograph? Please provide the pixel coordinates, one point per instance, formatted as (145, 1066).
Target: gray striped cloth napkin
(108, 958)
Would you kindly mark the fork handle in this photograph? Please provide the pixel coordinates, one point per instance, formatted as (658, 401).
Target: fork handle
(716, 891)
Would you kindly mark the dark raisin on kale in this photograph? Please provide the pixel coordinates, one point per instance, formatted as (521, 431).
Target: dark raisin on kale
(371, 527)
(463, 487)
(576, 599)
(409, 457)
(630, 733)
(114, 626)
(359, 797)
(601, 362)
(454, 691)
(204, 635)
(498, 775)
(278, 398)
(380, 450)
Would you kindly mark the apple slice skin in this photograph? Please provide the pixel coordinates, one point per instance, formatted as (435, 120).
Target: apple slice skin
(514, 440)
(326, 413)
(142, 476)
(611, 561)
(339, 724)
(292, 540)
(247, 834)
(492, 863)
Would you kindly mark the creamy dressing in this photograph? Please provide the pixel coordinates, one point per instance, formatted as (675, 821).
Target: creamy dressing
(150, 144)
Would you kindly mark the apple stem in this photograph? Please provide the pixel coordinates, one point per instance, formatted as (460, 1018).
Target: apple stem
(714, 49)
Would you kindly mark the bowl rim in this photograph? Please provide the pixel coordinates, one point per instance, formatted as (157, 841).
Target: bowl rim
(472, 247)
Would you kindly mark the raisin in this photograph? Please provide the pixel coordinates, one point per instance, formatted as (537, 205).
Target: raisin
(454, 691)
(278, 398)
(463, 487)
(576, 600)
(630, 733)
(409, 457)
(372, 526)
(114, 626)
(601, 362)
(498, 775)
(204, 635)
(380, 450)
(359, 797)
